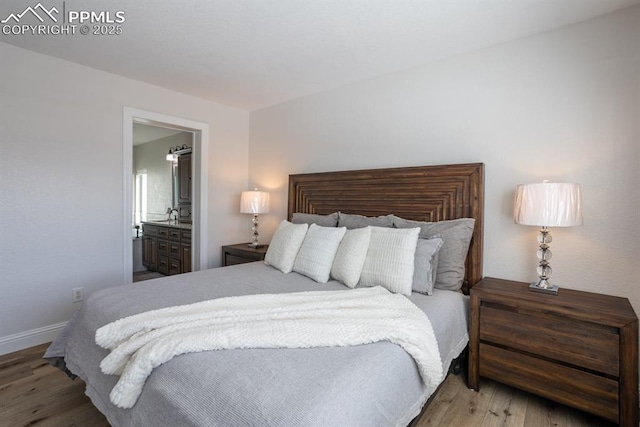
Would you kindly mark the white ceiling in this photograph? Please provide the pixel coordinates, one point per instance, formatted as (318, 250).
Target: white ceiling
(255, 53)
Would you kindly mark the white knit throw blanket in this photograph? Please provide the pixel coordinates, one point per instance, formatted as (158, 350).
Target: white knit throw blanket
(144, 341)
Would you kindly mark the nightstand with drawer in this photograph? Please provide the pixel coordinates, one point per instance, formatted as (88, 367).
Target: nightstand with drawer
(576, 348)
(242, 253)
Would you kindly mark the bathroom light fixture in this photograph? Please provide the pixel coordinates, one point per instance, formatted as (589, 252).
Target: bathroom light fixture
(547, 205)
(254, 202)
(174, 152)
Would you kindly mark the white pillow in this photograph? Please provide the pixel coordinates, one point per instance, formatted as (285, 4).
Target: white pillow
(317, 252)
(349, 260)
(284, 246)
(390, 259)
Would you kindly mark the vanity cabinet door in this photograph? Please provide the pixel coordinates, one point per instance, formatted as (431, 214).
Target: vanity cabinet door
(184, 179)
(184, 212)
(150, 252)
(185, 252)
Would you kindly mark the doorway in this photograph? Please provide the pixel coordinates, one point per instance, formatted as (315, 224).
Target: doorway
(200, 142)
(161, 156)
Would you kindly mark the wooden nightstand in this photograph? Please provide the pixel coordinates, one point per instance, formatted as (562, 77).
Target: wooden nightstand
(576, 348)
(242, 253)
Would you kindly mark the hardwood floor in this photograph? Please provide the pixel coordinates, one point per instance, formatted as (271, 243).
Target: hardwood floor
(146, 275)
(34, 393)
(498, 405)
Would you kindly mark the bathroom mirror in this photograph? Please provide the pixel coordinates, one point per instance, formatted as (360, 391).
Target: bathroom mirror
(154, 176)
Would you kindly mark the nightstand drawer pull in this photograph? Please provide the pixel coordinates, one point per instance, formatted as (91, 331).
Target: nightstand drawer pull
(594, 347)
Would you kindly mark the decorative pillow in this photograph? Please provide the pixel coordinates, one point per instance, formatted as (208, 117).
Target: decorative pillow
(317, 252)
(330, 220)
(425, 264)
(349, 260)
(284, 245)
(358, 221)
(456, 235)
(389, 261)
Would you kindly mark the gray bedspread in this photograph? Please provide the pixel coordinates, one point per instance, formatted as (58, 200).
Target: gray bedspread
(369, 385)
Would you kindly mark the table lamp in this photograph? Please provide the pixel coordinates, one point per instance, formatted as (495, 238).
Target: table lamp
(254, 202)
(546, 205)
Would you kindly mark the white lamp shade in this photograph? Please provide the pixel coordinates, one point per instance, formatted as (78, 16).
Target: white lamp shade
(254, 202)
(548, 204)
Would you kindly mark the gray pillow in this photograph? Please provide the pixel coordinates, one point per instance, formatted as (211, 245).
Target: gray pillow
(425, 264)
(456, 235)
(330, 220)
(359, 221)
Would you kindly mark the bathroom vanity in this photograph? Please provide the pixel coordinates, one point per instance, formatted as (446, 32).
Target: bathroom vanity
(166, 247)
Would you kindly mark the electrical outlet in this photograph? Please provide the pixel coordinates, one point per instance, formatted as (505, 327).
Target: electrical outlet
(77, 295)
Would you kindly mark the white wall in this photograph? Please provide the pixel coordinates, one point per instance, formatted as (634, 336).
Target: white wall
(61, 188)
(563, 106)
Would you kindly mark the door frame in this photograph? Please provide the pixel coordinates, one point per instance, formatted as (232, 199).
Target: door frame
(200, 182)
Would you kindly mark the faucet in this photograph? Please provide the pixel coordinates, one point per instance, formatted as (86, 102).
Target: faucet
(176, 211)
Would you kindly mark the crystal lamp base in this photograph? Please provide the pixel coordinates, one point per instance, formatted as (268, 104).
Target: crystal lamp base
(543, 286)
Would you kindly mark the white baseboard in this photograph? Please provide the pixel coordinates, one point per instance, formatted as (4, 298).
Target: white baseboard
(31, 338)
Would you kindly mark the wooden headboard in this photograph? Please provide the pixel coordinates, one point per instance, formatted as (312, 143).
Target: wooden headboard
(423, 193)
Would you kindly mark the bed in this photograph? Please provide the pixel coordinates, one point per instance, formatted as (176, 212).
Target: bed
(376, 384)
